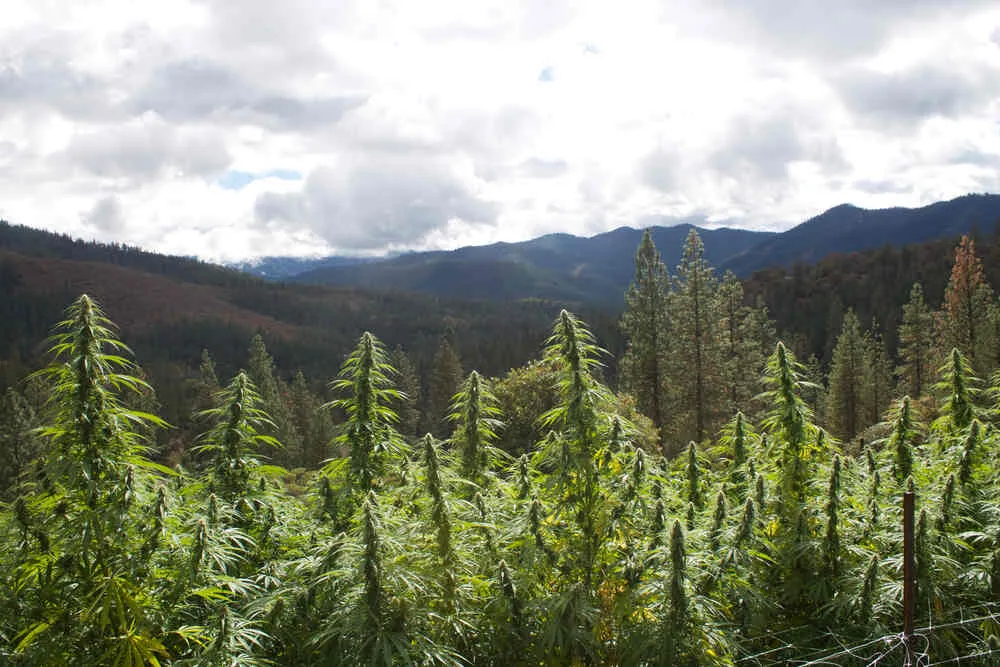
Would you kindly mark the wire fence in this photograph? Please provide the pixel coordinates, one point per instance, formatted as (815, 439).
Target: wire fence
(969, 641)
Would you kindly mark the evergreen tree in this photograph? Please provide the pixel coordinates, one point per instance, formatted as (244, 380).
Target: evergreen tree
(845, 401)
(446, 377)
(410, 393)
(19, 446)
(746, 334)
(696, 360)
(314, 425)
(261, 372)
(916, 344)
(205, 387)
(206, 372)
(644, 324)
(877, 377)
(966, 307)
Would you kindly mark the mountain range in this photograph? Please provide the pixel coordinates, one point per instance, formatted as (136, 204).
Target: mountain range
(170, 308)
(598, 269)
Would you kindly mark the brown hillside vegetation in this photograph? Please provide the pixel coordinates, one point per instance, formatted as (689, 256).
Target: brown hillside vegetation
(138, 300)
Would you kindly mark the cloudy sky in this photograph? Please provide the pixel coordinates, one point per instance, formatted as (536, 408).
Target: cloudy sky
(237, 128)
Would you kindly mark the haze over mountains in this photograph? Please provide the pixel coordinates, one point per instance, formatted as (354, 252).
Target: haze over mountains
(598, 269)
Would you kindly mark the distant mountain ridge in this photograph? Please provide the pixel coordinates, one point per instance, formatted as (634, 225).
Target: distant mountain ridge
(847, 228)
(556, 266)
(279, 268)
(599, 269)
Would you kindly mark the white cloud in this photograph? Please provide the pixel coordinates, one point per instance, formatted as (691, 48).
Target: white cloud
(370, 203)
(147, 148)
(437, 124)
(106, 215)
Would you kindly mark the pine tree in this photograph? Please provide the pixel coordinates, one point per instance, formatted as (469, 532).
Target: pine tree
(696, 360)
(845, 401)
(916, 344)
(18, 444)
(966, 306)
(644, 325)
(410, 393)
(877, 377)
(206, 371)
(746, 334)
(314, 426)
(446, 377)
(261, 372)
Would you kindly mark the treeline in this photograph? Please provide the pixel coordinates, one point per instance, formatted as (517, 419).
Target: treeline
(766, 542)
(695, 350)
(695, 347)
(37, 243)
(808, 301)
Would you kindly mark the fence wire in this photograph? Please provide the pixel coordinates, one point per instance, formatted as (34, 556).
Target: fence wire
(971, 641)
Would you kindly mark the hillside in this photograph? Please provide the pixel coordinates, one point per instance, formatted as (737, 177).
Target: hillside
(807, 301)
(170, 308)
(847, 228)
(281, 268)
(597, 269)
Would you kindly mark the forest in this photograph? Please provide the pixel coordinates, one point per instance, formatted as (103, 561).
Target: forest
(708, 498)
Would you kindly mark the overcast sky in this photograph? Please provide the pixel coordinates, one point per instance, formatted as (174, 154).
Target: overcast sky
(237, 128)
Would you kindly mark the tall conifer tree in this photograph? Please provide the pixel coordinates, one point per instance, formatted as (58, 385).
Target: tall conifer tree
(695, 363)
(966, 307)
(446, 377)
(845, 401)
(877, 377)
(409, 391)
(261, 372)
(644, 324)
(746, 336)
(916, 344)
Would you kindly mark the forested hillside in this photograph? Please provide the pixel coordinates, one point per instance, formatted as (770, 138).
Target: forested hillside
(563, 267)
(808, 301)
(847, 228)
(598, 269)
(171, 309)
